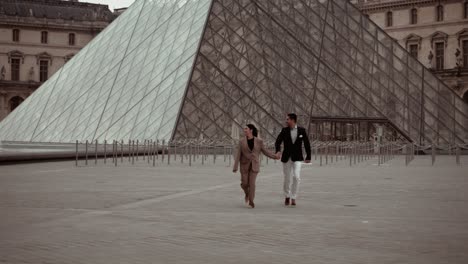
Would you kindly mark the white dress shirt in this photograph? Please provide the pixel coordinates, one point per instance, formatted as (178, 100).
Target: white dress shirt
(294, 133)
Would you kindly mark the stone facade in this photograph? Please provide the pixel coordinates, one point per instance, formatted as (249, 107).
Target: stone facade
(434, 31)
(37, 37)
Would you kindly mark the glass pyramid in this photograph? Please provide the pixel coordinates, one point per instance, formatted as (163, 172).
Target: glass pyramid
(177, 69)
(126, 83)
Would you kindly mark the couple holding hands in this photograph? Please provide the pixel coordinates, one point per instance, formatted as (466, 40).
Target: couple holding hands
(248, 156)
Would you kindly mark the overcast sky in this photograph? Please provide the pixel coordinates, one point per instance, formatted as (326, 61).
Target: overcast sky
(112, 3)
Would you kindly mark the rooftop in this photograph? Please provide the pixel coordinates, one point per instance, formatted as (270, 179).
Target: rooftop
(56, 9)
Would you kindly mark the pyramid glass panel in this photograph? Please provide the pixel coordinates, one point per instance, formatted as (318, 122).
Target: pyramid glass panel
(134, 70)
(179, 69)
(319, 59)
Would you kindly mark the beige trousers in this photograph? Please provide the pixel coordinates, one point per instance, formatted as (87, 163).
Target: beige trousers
(248, 179)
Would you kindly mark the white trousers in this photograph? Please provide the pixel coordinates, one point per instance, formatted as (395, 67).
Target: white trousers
(291, 169)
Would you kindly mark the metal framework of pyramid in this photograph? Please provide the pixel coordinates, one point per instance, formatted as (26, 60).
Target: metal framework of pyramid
(177, 69)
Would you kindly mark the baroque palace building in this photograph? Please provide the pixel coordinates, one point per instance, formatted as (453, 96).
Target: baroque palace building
(37, 37)
(433, 31)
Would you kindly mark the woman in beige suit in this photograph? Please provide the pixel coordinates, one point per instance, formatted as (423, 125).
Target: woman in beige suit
(248, 156)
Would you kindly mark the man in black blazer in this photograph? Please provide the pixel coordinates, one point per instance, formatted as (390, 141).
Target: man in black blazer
(294, 138)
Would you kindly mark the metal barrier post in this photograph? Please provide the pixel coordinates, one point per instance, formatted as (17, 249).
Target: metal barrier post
(326, 155)
(231, 155)
(150, 146)
(95, 152)
(214, 154)
(190, 155)
(86, 153)
(121, 150)
(133, 152)
(154, 150)
(105, 151)
(137, 149)
(203, 156)
(168, 153)
(163, 150)
(184, 149)
(433, 153)
(113, 151)
(175, 151)
(378, 154)
(76, 156)
(337, 151)
(320, 150)
(354, 153)
(129, 150)
(157, 147)
(405, 149)
(144, 149)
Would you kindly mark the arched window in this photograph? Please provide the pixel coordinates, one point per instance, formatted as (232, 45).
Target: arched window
(43, 70)
(414, 16)
(15, 102)
(44, 37)
(413, 50)
(71, 39)
(365, 21)
(440, 55)
(389, 19)
(440, 13)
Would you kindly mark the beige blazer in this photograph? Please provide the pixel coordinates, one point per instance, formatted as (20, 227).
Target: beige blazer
(245, 156)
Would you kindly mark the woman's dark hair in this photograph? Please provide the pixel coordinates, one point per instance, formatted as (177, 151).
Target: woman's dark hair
(254, 130)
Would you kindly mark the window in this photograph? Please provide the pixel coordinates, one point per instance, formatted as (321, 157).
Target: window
(389, 19)
(365, 21)
(44, 37)
(440, 13)
(15, 69)
(413, 50)
(414, 16)
(15, 102)
(439, 47)
(43, 70)
(465, 10)
(465, 54)
(16, 35)
(71, 39)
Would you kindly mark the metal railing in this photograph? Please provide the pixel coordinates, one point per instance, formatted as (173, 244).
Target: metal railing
(205, 152)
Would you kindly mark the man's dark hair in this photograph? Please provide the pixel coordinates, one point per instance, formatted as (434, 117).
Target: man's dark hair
(293, 116)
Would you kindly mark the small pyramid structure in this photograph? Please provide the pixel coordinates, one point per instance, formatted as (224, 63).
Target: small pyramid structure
(191, 69)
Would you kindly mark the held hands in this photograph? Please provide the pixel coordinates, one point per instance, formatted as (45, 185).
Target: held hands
(278, 156)
(307, 161)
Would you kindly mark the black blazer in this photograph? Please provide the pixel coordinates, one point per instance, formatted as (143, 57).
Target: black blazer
(293, 151)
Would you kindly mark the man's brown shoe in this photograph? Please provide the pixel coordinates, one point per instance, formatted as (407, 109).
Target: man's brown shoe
(286, 201)
(293, 202)
(252, 204)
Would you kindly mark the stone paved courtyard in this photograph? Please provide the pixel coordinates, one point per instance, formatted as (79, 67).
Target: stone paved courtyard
(57, 213)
